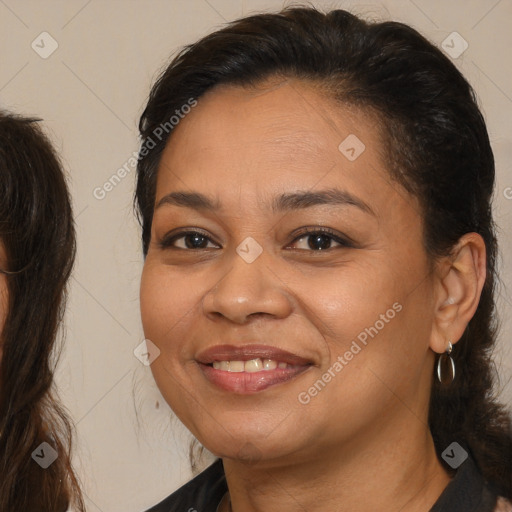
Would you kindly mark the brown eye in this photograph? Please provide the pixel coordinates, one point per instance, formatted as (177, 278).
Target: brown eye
(319, 240)
(193, 240)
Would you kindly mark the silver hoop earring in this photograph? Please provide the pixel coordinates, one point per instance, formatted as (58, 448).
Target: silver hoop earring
(444, 361)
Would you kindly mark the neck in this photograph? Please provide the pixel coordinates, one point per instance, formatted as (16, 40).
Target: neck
(396, 470)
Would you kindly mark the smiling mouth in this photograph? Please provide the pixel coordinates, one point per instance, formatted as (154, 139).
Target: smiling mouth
(250, 366)
(240, 370)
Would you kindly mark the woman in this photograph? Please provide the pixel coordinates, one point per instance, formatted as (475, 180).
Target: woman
(320, 267)
(37, 252)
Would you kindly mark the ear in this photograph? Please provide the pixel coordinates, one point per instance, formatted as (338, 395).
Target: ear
(459, 279)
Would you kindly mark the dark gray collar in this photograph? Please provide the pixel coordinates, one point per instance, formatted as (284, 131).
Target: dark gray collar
(467, 492)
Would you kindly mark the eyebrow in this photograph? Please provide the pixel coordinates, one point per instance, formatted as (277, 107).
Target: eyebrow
(307, 199)
(284, 202)
(193, 200)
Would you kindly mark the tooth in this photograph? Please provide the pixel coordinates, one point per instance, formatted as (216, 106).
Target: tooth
(254, 365)
(236, 366)
(269, 364)
(250, 366)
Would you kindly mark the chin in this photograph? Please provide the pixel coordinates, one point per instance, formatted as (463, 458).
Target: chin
(247, 443)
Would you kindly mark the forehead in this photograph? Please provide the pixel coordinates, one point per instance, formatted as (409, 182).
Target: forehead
(271, 138)
(285, 113)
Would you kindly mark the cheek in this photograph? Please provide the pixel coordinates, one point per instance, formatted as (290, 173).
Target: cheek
(376, 323)
(344, 302)
(169, 302)
(167, 306)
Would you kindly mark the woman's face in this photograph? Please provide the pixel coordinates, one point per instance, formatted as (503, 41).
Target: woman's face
(279, 240)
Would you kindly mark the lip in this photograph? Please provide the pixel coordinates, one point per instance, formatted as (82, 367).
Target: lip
(248, 352)
(249, 383)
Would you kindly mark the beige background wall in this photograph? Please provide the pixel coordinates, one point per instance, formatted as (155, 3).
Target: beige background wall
(90, 92)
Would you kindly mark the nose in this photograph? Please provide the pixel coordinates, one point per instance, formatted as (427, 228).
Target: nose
(247, 291)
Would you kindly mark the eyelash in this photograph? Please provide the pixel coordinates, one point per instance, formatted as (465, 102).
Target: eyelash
(168, 241)
(343, 241)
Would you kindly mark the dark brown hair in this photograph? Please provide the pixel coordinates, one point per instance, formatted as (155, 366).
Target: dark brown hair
(438, 149)
(37, 231)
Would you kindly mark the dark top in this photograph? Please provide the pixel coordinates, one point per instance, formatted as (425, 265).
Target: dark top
(466, 492)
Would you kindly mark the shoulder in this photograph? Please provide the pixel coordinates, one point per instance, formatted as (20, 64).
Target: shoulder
(469, 491)
(202, 493)
(503, 505)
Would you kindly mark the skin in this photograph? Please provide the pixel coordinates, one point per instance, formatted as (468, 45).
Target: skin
(362, 443)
